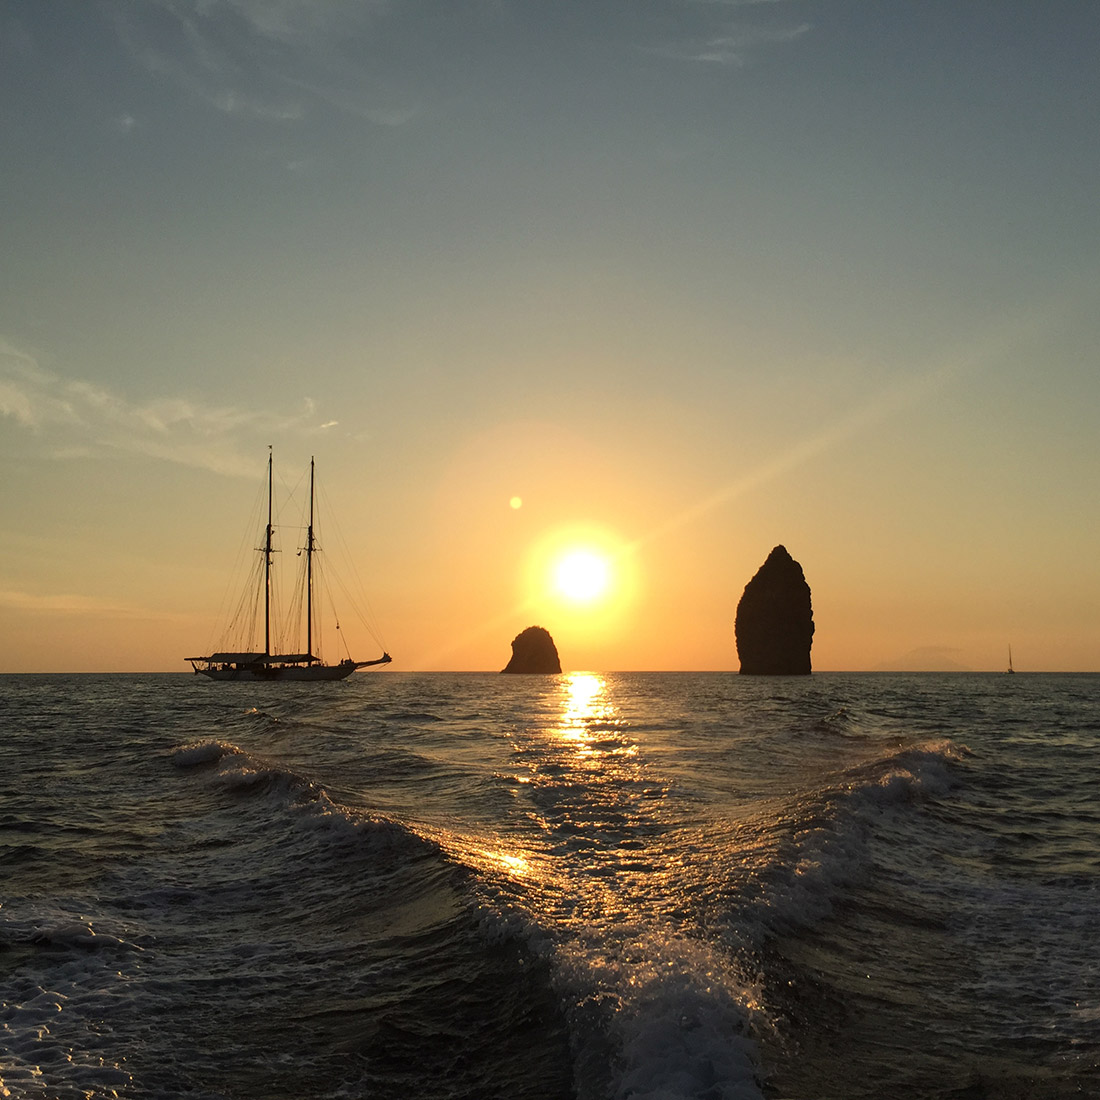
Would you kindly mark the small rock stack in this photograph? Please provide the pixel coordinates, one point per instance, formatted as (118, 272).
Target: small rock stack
(533, 650)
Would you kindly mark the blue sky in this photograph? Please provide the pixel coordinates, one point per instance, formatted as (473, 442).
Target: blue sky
(710, 275)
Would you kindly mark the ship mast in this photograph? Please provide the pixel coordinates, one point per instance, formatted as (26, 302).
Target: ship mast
(267, 564)
(309, 570)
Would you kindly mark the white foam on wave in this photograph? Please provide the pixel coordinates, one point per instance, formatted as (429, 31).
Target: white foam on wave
(910, 772)
(238, 769)
(323, 814)
(807, 852)
(652, 1014)
(660, 1017)
(312, 806)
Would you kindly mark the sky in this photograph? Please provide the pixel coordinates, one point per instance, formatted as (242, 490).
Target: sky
(668, 281)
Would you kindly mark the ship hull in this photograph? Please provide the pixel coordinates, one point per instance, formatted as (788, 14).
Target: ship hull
(289, 673)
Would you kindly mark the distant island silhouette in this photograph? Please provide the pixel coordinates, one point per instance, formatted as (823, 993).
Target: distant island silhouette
(925, 659)
(774, 627)
(533, 650)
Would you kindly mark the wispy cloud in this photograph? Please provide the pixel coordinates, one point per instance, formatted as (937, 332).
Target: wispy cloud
(193, 60)
(75, 418)
(724, 34)
(732, 46)
(353, 101)
(263, 59)
(66, 604)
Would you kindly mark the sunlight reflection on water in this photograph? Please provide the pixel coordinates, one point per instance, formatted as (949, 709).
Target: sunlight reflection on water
(585, 702)
(589, 837)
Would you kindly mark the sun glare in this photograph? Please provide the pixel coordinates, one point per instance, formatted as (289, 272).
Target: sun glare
(582, 576)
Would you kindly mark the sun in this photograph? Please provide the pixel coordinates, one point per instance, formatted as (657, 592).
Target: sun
(582, 575)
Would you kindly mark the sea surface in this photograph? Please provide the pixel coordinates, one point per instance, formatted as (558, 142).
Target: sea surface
(588, 886)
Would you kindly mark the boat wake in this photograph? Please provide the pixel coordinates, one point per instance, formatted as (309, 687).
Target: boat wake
(575, 888)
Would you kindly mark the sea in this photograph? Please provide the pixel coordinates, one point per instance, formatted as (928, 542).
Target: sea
(628, 886)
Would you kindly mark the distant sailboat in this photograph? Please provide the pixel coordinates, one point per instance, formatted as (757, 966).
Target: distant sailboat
(267, 664)
(1010, 670)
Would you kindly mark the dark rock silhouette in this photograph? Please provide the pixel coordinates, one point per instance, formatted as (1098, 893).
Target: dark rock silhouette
(775, 622)
(533, 650)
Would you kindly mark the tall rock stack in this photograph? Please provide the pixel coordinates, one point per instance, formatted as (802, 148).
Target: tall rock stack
(775, 622)
(533, 650)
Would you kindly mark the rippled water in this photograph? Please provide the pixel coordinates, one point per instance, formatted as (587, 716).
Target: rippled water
(837, 887)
